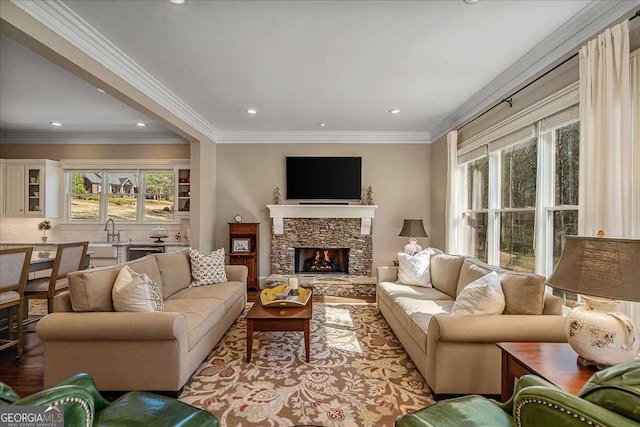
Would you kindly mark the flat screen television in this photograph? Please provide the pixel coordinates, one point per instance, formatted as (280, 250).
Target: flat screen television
(324, 178)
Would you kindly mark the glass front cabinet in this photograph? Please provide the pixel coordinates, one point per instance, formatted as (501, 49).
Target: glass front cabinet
(31, 188)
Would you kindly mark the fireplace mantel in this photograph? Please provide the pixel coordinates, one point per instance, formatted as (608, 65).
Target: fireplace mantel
(365, 212)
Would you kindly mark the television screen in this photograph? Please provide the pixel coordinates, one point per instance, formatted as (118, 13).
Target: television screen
(324, 177)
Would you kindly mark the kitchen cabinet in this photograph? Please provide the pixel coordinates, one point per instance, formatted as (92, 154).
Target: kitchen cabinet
(243, 249)
(32, 188)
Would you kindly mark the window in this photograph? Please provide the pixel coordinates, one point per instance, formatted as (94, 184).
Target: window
(84, 197)
(122, 196)
(520, 192)
(126, 196)
(158, 196)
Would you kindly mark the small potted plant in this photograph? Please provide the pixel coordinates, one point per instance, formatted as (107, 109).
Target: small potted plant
(44, 226)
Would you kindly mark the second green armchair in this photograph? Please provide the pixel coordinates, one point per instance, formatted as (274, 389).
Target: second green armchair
(610, 398)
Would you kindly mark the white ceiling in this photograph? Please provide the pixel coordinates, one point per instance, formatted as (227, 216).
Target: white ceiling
(345, 63)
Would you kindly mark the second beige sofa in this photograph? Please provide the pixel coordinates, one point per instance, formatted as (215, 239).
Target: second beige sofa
(139, 351)
(457, 354)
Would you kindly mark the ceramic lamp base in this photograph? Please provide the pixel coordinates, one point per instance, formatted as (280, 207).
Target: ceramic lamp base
(601, 336)
(412, 247)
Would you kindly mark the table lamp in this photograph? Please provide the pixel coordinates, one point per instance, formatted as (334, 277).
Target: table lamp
(602, 270)
(412, 228)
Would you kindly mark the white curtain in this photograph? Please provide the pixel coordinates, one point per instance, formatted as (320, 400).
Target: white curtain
(606, 148)
(451, 228)
(607, 185)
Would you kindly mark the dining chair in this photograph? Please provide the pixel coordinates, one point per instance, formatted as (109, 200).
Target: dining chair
(69, 257)
(14, 268)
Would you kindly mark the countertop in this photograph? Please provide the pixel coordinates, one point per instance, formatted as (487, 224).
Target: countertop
(122, 243)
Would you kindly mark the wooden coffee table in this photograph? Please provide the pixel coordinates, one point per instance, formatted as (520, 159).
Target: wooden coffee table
(265, 319)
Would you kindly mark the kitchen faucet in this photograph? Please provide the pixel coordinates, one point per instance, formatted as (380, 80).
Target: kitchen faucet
(111, 237)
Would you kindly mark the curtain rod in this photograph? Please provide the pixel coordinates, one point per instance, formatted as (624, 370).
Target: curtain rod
(509, 99)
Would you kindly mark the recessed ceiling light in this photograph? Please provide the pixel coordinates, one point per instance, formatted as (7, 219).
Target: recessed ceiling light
(252, 111)
(58, 124)
(471, 1)
(394, 111)
(178, 1)
(140, 124)
(323, 124)
(100, 90)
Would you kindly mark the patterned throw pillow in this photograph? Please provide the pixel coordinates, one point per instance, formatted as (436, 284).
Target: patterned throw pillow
(414, 269)
(136, 292)
(482, 296)
(207, 269)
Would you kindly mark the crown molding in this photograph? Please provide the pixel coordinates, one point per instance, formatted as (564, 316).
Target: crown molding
(564, 41)
(345, 137)
(88, 138)
(62, 20)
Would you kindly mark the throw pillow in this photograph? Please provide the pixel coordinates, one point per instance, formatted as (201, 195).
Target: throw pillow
(482, 296)
(414, 269)
(207, 269)
(136, 292)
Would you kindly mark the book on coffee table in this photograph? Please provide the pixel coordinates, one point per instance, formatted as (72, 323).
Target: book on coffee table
(280, 296)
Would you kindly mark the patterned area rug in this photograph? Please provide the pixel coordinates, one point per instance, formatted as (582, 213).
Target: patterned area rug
(359, 374)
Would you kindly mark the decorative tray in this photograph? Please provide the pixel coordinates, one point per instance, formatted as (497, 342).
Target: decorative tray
(279, 296)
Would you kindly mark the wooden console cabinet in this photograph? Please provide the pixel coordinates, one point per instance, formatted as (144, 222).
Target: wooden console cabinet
(243, 249)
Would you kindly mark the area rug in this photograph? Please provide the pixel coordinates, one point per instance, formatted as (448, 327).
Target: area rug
(359, 374)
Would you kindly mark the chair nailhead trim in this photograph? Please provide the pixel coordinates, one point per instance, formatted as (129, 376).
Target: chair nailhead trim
(550, 404)
(83, 403)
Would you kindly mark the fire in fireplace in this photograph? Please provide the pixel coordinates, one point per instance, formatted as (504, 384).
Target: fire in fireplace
(321, 260)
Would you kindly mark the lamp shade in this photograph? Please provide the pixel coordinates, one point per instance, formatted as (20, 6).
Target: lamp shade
(599, 266)
(413, 228)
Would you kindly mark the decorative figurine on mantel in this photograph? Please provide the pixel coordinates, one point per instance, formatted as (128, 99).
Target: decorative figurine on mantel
(369, 196)
(363, 196)
(44, 226)
(276, 196)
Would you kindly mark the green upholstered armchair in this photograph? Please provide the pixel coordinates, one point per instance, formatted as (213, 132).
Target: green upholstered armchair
(610, 398)
(83, 405)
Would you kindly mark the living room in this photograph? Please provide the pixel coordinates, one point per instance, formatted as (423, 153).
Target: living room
(235, 169)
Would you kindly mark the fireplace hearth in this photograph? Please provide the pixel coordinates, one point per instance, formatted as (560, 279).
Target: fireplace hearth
(321, 260)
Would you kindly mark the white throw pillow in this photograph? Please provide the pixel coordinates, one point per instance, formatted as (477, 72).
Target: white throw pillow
(207, 269)
(136, 292)
(482, 296)
(414, 269)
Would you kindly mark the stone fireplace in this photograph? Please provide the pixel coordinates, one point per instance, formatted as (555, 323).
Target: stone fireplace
(299, 231)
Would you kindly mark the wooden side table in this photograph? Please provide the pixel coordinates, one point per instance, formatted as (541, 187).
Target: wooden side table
(555, 362)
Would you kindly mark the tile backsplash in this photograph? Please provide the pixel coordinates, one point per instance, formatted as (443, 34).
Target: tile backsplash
(25, 230)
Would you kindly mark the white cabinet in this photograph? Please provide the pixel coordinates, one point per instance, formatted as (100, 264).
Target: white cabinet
(32, 188)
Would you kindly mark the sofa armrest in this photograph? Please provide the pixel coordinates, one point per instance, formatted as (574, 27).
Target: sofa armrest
(496, 328)
(236, 273)
(387, 274)
(112, 326)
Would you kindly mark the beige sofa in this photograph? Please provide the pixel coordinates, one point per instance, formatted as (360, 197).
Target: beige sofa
(139, 351)
(457, 354)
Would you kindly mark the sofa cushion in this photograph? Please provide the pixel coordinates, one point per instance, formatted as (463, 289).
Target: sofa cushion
(414, 269)
(395, 290)
(202, 315)
(482, 296)
(149, 266)
(445, 271)
(471, 271)
(523, 292)
(90, 290)
(207, 268)
(136, 292)
(175, 271)
(228, 292)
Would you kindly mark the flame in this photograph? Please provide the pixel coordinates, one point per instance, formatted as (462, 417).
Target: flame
(326, 256)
